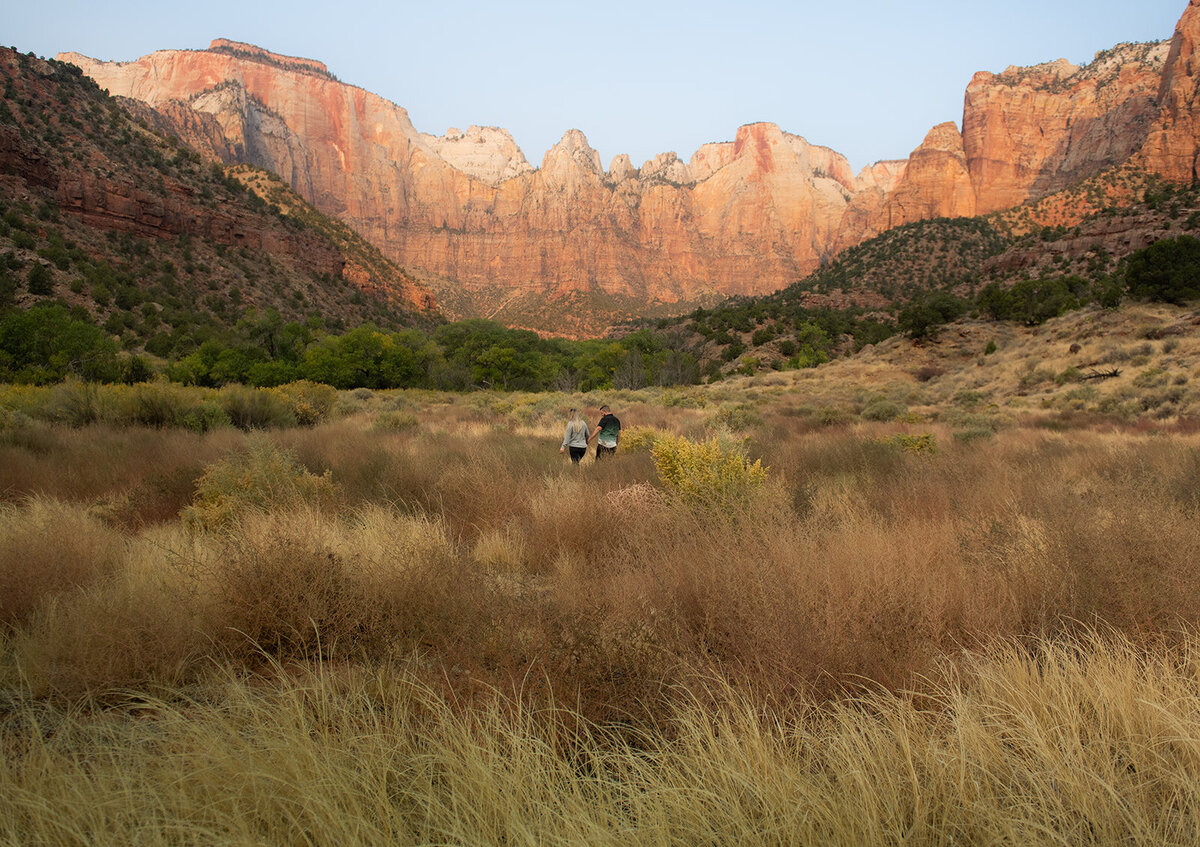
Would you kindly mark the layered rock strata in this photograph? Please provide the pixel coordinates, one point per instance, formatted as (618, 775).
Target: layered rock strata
(740, 217)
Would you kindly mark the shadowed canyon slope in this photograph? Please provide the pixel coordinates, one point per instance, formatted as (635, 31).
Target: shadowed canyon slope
(740, 217)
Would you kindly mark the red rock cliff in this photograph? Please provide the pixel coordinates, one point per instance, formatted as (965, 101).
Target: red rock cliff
(1028, 132)
(741, 217)
(1173, 146)
(745, 217)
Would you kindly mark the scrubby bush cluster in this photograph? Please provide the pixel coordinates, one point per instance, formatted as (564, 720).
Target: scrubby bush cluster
(262, 478)
(165, 405)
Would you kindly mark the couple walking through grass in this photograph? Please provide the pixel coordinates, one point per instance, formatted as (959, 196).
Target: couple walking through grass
(576, 439)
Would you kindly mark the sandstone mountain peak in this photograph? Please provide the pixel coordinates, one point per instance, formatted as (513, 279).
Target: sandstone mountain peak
(574, 146)
(252, 51)
(1057, 69)
(667, 167)
(739, 217)
(1173, 146)
(710, 158)
(621, 168)
(945, 137)
(487, 153)
(881, 175)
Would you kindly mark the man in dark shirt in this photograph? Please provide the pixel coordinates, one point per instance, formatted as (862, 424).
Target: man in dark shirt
(607, 434)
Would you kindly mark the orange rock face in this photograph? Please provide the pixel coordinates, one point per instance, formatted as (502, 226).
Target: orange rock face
(741, 217)
(745, 217)
(1173, 146)
(936, 182)
(1028, 132)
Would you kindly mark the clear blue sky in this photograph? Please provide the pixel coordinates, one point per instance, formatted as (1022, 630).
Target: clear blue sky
(865, 77)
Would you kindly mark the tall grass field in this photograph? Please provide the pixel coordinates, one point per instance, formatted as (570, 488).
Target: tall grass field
(776, 616)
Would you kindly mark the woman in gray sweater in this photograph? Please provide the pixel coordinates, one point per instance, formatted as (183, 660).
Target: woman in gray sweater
(576, 437)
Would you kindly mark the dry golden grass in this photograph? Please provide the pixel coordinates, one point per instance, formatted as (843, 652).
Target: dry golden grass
(49, 547)
(458, 581)
(1092, 740)
(857, 560)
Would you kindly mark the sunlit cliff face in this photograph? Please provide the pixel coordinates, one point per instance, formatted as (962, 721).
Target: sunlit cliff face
(742, 217)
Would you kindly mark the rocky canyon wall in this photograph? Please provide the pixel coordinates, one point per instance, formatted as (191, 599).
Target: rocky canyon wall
(742, 217)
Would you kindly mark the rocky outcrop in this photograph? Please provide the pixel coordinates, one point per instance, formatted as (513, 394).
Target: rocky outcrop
(741, 217)
(936, 183)
(1173, 146)
(1028, 132)
(20, 159)
(193, 127)
(867, 213)
(487, 153)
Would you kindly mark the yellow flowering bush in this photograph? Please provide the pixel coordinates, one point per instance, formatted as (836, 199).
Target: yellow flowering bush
(923, 443)
(262, 477)
(636, 438)
(311, 402)
(707, 473)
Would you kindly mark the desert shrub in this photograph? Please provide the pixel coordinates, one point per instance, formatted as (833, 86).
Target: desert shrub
(883, 409)
(310, 402)
(256, 408)
(1151, 378)
(1033, 375)
(155, 405)
(1070, 374)
(684, 399)
(283, 588)
(1115, 354)
(13, 419)
(48, 547)
(503, 549)
(74, 403)
(133, 629)
(738, 418)
(204, 416)
(293, 583)
(832, 416)
(707, 473)
(263, 476)
(636, 438)
(395, 421)
(1119, 405)
(923, 443)
(164, 405)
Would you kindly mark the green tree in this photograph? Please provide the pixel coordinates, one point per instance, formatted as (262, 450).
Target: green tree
(921, 318)
(1168, 270)
(47, 343)
(40, 280)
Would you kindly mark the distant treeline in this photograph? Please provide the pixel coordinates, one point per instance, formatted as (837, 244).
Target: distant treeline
(50, 341)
